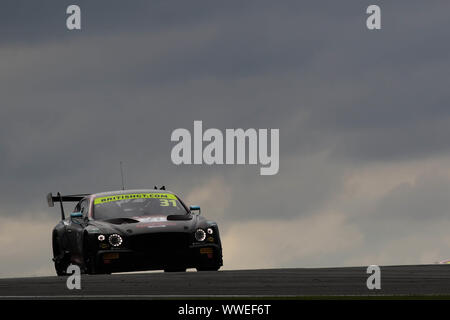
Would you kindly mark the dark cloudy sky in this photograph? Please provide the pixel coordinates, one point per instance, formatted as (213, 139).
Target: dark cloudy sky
(364, 122)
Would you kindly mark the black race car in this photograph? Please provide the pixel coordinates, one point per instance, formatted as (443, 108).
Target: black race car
(133, 230)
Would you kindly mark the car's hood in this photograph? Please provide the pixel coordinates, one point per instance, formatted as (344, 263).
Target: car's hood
(148, 224)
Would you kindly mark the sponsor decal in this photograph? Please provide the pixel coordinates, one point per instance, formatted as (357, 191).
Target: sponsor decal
(153, 222)
(120, 197)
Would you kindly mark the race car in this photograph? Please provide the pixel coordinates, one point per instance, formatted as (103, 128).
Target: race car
(133, 230)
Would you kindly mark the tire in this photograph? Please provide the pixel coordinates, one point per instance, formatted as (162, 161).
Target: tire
(90, 267)
(215, 268)
(61, 269)
(61, 260)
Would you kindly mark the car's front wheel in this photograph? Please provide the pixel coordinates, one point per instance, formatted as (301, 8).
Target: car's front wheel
(61, 268)
(60, 259)
(90, 265)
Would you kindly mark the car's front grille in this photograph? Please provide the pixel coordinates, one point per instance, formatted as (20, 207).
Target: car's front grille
(163, 242)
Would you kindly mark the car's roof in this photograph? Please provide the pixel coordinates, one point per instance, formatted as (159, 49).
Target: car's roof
(110, 193)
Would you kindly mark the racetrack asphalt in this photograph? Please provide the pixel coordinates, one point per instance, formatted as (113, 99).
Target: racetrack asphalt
(417, 280)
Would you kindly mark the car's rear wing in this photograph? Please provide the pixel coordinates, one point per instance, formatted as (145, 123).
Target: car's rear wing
(51, 199)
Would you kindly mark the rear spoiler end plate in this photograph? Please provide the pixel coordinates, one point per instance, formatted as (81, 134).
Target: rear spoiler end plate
(51, 199)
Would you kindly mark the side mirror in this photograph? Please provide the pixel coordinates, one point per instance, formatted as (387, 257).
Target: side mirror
(195, 208)
(76, 215)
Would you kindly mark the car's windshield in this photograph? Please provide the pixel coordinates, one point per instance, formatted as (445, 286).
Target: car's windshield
(135, 205)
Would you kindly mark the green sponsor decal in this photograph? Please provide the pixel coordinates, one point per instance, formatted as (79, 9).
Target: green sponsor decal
(120, 197)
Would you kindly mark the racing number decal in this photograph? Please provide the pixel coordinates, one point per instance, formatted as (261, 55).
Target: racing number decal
(166, 203)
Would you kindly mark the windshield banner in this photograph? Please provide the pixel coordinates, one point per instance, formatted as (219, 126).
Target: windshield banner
(120, 197)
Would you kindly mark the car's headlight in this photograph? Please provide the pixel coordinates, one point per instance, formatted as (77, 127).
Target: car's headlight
(210, 230)
(115, 240)
(200, 235)
(101, 237)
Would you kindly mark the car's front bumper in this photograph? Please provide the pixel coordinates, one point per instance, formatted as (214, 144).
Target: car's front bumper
(122, 260)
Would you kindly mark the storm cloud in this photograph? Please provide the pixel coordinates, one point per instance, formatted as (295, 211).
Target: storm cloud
(363, 117)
